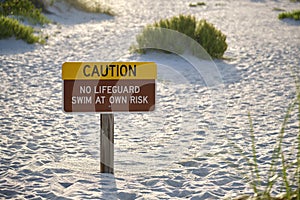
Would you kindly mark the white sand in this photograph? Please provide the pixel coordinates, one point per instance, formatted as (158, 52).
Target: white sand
(182, 150)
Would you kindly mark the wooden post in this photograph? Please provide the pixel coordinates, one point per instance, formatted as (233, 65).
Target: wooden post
(107, 143)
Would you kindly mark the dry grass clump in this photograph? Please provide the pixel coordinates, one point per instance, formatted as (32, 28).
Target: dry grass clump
(92, 6)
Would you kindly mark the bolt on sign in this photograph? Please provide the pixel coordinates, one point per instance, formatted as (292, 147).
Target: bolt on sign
(109, 86)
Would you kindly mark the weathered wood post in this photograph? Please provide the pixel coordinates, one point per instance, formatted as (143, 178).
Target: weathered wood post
(107, 143)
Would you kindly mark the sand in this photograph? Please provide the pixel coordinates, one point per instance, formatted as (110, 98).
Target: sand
(184, 149)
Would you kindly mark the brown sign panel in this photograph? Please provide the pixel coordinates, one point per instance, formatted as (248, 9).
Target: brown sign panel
(109, 95)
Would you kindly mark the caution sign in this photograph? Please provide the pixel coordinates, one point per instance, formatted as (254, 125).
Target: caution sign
(109, 86)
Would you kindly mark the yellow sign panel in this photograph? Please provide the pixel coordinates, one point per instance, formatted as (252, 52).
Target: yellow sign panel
(108, 70)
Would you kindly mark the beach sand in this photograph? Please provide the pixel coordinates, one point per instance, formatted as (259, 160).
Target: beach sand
(183, 149)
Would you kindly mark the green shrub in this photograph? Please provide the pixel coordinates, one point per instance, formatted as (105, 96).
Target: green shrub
(11, 27)
(182, 24)
(293, 15)
(211, 39)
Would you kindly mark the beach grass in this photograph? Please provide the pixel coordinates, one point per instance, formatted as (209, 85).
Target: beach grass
(23, 10)
(90, 6)
(197, 4)
(276, 173)
(278, 9)
(13, 13)
(11, 27)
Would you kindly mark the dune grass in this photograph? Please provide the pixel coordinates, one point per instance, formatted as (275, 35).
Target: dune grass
(23, 10)
(197, 4)
(13, 13)
(11, 27)
(262, 189)
(278, 9)
(91, 6)
(295, 14)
